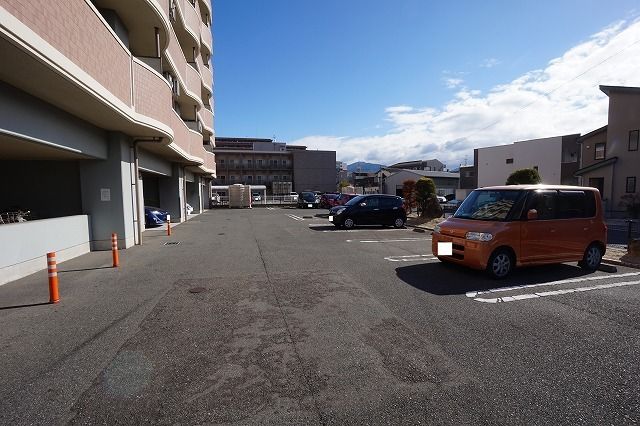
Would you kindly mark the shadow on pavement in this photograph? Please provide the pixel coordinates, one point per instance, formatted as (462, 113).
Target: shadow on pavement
(86, 269)
(25, 306)
(446, 279)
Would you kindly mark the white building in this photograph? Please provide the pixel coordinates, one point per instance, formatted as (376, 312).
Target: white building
(555, 158)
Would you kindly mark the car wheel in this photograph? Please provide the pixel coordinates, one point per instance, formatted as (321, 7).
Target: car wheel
(500, 264)
(398, 223)
(592, 258)
(348, 223)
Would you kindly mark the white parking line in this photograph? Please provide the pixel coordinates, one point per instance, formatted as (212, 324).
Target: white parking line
(567, 281)
(553, 293)
(294, 217)
(411, 258)
(401, 240)
(362, 230)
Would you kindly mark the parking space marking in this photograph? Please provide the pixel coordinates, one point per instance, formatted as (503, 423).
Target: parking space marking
(325, 225)
(294, 217)
(554, 293)
(411, 258)
(473, 294)
(400, 240)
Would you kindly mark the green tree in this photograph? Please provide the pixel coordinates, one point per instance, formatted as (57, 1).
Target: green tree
(409, 194)
(523, 177)
(343, 184)
(426, 199)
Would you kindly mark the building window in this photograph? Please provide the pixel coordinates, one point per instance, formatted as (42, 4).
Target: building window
(509, 161)
(600, 151)
(259, 163)
(631, 185)
(222, 161)
(259, 179)
(535, 168)
(249, 179)
(233, 178)
(249, 163)
(634, 135)
(222, 178)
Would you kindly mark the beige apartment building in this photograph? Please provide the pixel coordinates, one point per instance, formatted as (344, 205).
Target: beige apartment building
(105, 107)
(610, 158)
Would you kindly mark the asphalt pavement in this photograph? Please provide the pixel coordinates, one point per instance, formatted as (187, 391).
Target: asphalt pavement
(273, 316)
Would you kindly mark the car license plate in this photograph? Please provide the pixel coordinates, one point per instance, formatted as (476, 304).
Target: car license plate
(309, 205)
(330, 218)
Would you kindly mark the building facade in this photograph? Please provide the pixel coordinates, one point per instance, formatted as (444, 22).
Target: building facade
(446, 182)
(105, 106)
(254, 161)
(555, 158)
(610, 159)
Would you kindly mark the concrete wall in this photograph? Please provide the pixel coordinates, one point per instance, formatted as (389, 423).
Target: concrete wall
(546, 154)
(47, 188)
(148, 161)
(25, 115)
(108, 194)
(25, 245)
(314, 170)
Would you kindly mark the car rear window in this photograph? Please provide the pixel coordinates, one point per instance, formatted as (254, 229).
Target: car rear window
(575, 204)
(390, 202)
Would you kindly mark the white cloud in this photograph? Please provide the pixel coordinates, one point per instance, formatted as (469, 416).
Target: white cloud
(490, 63)
(562, 98)
(453, 83)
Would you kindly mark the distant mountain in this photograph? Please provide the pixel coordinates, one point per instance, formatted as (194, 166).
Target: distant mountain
(364, 167)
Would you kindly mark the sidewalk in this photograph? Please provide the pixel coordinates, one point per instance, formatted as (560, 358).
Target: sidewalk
(613, 256)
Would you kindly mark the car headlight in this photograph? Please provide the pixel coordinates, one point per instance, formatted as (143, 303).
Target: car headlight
(340, 211)
(436, 229)
(479, 236)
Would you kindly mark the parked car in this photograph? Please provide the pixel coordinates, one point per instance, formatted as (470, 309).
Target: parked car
(292, 196)
(308, 200)
(342, 199)
(498, 228)
(154, 216)
(256, 196)
(325, 200)
(373, 209)
(441, 199)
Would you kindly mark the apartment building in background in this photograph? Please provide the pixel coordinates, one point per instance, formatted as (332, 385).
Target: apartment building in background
(610, 156)
(105, 106)
(555, 158)
(279, 167)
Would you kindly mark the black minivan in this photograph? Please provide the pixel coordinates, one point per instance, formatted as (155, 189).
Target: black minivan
(375, 209)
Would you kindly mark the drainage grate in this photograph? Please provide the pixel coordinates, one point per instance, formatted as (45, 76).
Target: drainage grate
(197, 290)
(172, 243)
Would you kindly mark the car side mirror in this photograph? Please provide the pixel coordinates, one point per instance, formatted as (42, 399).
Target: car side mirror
(532, 214)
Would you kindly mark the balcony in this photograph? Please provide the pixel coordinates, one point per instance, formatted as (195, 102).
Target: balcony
(152, 93)
(206, 74)
(206, 118)
(188, 77)
(206, 39)
(190, 19)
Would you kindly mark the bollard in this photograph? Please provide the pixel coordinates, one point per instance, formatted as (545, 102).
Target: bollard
(52, 270)
(114, 250)
(169, 225)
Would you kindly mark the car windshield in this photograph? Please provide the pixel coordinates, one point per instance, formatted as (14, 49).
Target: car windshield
(308, 196)
(354, 201)
(489, 204)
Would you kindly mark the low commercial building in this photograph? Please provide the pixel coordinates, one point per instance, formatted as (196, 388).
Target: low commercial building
(433, 165)
(280, 167)
(446, 182)
(105, 107)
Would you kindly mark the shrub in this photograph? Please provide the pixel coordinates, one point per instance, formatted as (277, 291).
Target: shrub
(524, 176)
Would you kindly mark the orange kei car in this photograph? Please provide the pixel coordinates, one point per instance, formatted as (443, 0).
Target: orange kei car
(498, 228)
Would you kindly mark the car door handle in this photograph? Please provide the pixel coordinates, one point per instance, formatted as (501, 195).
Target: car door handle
(376, 209)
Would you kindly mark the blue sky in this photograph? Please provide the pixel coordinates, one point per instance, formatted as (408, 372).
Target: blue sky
(372, 78)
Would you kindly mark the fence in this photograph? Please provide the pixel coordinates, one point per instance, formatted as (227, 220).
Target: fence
(264, 201)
